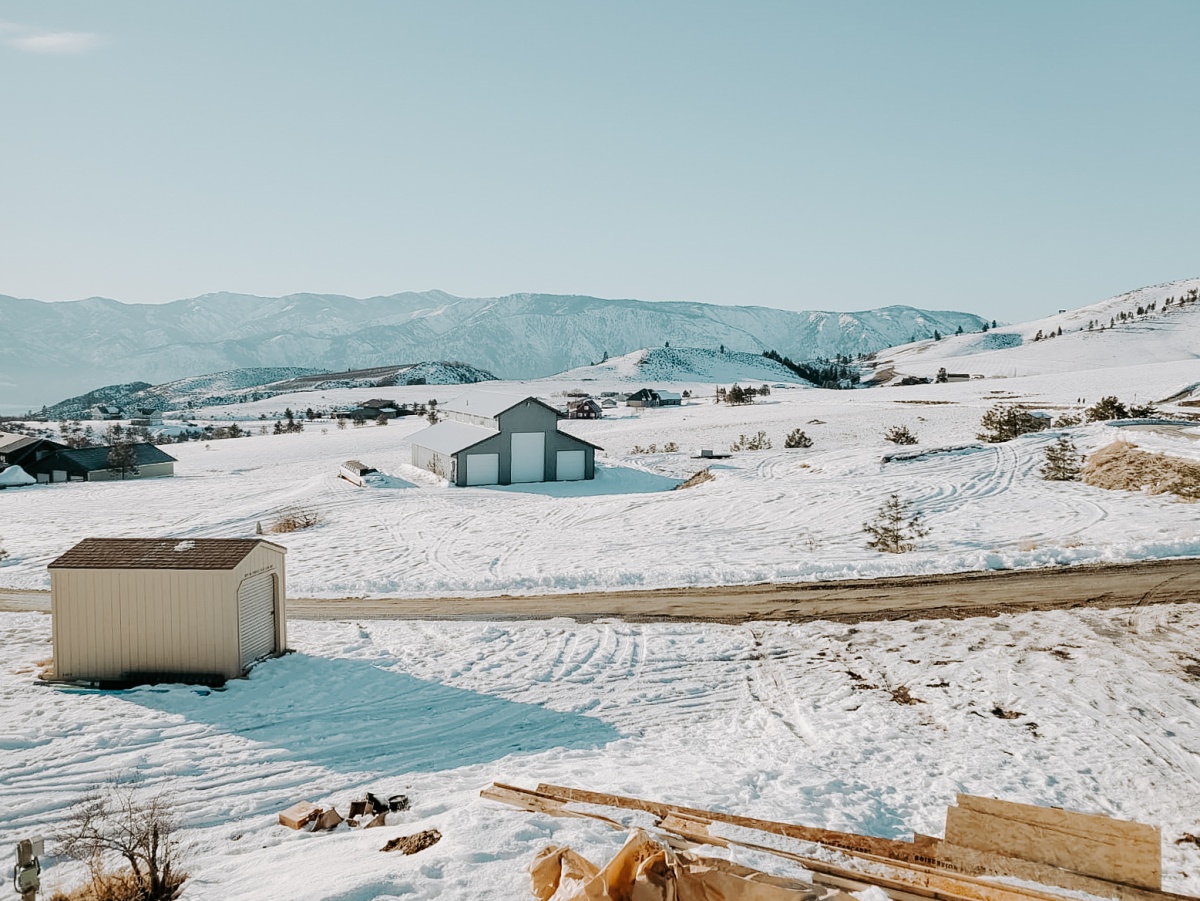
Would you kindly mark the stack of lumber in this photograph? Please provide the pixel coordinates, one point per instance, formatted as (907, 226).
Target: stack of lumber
(993, 850)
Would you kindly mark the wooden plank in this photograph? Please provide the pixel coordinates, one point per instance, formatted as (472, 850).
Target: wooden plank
(1114, 850)
(926, 853)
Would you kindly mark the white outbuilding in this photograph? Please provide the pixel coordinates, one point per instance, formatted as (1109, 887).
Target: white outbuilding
(127, 610)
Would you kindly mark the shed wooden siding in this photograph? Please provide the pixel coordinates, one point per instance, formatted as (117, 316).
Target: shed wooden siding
(156, 620)
(134, 620)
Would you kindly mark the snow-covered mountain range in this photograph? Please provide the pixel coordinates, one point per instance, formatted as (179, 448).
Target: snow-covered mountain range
(51, 350)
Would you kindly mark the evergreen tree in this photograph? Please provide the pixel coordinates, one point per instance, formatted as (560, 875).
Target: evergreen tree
(1063, 461)
(122, 459)
(797, 439)
(1105, 409)
(893, 531)
(899, 434)
(1005, 422)
(958, 331)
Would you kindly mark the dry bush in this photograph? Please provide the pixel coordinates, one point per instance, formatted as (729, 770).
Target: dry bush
(294, 519)
(699, 478)
(1121, 466)
(120, 825)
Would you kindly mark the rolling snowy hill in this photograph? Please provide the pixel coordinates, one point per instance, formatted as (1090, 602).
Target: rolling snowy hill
(240, 385)
(685, 364)
(1092, 337)
(51, 350)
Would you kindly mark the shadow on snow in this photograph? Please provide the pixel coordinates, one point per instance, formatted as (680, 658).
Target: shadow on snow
(351, 716)
(609, 480)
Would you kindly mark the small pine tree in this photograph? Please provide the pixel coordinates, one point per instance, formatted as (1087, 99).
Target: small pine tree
(1105, 409)
(1063, 461)
(937, 336)
(797, 439)
(341, 422)
(899, 434)
(1005, 422)
(278, 430)
(381, 419)
(893, 531)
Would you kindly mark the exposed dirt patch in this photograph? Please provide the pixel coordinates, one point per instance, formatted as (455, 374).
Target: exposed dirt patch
(1002, 714)
(704, 475)
(901, 696)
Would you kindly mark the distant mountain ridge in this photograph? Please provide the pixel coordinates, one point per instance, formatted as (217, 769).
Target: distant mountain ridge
(49, 350)
(240, 385)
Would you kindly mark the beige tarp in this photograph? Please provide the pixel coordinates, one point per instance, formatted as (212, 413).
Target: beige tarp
(644, 870)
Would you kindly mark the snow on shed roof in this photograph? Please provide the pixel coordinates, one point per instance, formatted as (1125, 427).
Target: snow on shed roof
(487, 403)
(451, 437)
(159, 553)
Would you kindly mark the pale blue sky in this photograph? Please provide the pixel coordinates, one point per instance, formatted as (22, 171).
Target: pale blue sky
(1009, 158)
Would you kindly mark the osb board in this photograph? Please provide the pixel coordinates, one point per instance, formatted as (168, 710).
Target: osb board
(1117, 850)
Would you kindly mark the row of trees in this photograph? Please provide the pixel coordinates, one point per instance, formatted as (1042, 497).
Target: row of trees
(823, 373)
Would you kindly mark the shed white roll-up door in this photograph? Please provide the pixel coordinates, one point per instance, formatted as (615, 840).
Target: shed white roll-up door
(570, 466)
(256, 617)
(528, 457)
(483, 469)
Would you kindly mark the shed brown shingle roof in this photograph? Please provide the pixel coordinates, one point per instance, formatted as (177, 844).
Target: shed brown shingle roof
(158, 553)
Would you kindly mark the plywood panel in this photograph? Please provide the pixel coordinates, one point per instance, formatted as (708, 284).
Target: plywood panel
(1117, 850)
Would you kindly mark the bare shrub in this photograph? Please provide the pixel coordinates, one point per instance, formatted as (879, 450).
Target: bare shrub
(293, 519)
(118, 824)
(753, 443)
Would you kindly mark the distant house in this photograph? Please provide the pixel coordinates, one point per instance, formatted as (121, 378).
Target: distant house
(489, 438)
(107, 411)
(373, 409)
(648, 397)
(91, 464)
(584, 409)
(145, 417)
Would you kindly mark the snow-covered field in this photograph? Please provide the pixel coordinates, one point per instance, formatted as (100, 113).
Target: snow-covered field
(792, 722)
(1091, 710)
(767, 515)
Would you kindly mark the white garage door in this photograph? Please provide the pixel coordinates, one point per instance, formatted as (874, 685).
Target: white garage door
(256, 617)
(570, 466)
(483, 469)
(528, 457)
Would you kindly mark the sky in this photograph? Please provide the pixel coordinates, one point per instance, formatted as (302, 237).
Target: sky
(1009, 159)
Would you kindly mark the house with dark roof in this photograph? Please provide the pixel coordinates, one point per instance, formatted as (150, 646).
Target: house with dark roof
(649, 397)
(491, 438)
(22, 450)
(587, 408)
(92, 464)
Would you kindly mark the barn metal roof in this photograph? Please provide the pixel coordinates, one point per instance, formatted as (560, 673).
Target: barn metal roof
(452, 436)
(159, 553)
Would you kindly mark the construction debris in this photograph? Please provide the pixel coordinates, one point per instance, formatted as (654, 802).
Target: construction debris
(411, 844)
(328, 820)
(646, 870)
(299, 815)
(993, 851)
(380, 819)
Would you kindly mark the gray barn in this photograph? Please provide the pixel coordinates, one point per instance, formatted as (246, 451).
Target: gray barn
(490, 438)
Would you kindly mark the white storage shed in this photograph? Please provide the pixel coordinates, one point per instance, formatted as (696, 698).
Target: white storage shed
(156, 609)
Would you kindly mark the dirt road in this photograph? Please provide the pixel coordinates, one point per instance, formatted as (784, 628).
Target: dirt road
(955, 595)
